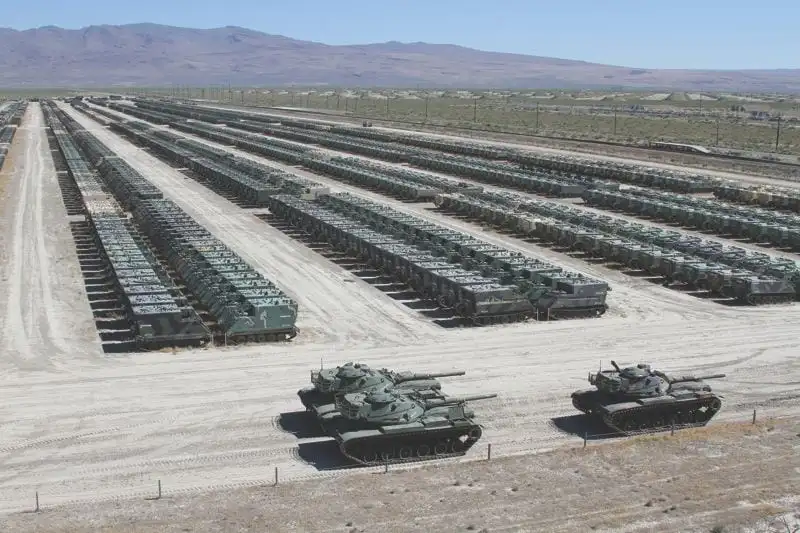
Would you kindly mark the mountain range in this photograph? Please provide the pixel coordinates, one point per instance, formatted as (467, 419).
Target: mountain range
(153, 55)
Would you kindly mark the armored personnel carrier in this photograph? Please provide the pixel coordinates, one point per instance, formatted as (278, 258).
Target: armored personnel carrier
(637, 399)
(327, 383)
(388, 426)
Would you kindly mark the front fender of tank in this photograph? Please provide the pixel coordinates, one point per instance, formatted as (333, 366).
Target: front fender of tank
(310, 396)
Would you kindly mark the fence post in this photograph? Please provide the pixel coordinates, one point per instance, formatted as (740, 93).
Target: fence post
(276, 476)
(386, 466)
(489, 452)
(37, 502)
(585, 438)
(672, 429)
(754, 416)
(159, 489)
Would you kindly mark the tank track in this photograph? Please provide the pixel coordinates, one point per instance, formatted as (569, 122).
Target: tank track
(767, 299)
(566, 313)
(418, 446)
(583, 402)
(647, 418)
(277, 336)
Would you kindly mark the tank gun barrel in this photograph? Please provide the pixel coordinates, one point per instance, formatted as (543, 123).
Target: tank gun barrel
(428, 375)
(682, 379)
(454, 400)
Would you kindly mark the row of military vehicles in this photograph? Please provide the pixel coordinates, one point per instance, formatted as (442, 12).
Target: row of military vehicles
(379, 416)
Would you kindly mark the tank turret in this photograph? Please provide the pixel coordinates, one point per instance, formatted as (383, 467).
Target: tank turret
(386, 425)
(327, 383)
(638, 399)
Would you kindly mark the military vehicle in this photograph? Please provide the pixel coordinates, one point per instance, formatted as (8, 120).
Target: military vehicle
(327, 383)
(637, 399)
(389, 426)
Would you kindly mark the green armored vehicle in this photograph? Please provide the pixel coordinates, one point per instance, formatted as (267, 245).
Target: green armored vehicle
(327, 383)
(388, 426)
(636, 399)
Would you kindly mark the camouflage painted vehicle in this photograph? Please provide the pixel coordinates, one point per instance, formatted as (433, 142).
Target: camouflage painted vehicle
(389, 426)
(327, 383)
(637, 399)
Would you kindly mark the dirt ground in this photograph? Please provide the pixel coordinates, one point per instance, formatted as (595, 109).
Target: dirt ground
(84, 429)
(731, 477)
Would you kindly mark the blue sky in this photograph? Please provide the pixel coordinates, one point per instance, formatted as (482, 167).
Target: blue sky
(645, 33)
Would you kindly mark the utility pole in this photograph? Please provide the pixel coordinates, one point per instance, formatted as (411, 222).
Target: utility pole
(615, 120)
(537, 117)
(387, 106)
(717, 143)
(475, 110)
(426, 109)
(778, 135)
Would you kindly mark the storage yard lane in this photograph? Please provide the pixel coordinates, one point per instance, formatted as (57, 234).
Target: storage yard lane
(46, 320)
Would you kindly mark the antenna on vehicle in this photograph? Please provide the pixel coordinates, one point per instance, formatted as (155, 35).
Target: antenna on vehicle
(320, 363)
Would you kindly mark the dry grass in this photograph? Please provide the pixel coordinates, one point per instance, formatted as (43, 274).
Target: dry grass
(722, 476)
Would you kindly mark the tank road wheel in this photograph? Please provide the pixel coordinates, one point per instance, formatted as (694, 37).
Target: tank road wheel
(387, 454)
(716, 404)
(405, 452)
(628, 424)
(441, 447)
(423, 450)
(457, 446)
(369, 455)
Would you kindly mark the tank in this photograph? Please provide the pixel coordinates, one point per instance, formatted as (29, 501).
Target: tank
(327, 383)
(637, 399)
(387, 426)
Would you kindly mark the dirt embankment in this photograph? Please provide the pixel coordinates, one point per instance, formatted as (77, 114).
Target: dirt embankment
(714, 478)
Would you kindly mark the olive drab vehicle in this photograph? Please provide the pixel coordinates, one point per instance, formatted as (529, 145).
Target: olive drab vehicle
(389, 426)
(327, 383)
(638, 399)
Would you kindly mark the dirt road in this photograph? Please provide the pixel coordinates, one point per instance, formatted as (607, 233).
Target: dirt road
(46, 320)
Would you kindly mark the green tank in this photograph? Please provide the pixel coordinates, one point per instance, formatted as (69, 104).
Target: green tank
(637, 399)
(387, 426)
(327, 383)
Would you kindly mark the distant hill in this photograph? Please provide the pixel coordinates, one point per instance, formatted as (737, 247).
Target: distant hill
(151, 54)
